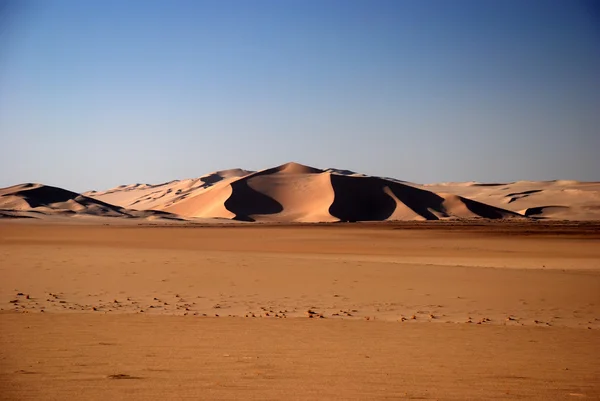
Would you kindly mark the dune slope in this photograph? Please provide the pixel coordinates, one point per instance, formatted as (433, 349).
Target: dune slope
(558, 200)
(296, 193)
(37, 200)
(161, 196)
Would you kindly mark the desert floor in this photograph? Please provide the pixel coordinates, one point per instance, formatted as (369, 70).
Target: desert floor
(343, 311)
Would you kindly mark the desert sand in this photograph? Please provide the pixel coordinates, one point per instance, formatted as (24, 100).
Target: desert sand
(44, 202)
(432, 310)
(300, 283)
(295, 193)
(556, 200)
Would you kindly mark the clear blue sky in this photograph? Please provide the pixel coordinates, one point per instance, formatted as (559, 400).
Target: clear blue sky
(98, 93)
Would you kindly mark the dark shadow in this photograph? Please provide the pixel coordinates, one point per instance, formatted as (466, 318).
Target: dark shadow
(519, 195)
(14, 216)
(340, 171)
(211, 179)
(535, 211)
(360, 199)
(106, 207)
(486, 211)
(363, 198)
(45, 195)
(533, 191)
(419, 200)
(245, 201)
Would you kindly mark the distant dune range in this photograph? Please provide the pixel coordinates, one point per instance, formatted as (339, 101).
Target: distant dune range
(39, 201)
(296, 193)
(557, 200)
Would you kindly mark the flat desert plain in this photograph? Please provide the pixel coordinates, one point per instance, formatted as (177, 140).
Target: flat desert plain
(428, 311)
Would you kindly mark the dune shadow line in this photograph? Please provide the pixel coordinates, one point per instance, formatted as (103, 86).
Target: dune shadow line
(364, 199)
(245, 201)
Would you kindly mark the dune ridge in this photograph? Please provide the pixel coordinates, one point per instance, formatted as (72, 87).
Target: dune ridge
(296, 193)
(556, 200)
(293, 192)
(35, 200)
(161, 196)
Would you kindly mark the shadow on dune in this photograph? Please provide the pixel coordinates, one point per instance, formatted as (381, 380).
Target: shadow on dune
(485, 211)
(106, 207)
(363, 198)
(4, 215)
(520, 195)
(533, 191)
(539, 211)
(490, 184)
(211, 179)
(340, 171)
(46, 195)
(420, 201)
(245, 201)
(62, 202)
(359, 199)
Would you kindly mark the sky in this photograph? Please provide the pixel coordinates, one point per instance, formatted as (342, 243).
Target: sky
(98, 93)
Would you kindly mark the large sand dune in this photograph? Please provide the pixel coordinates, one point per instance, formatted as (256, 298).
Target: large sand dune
(160, 196)
(294, 192)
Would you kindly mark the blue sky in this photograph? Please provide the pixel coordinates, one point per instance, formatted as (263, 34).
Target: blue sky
(94, 94)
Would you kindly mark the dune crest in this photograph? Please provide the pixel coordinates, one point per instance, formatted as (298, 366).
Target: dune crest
(162, 196)
(557, 200)
(293, 192)
(37, 200)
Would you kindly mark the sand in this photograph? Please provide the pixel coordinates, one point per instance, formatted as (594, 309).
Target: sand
(343, 311)
(158, 358)
(161, 196)
(294, 192)
(48, 203)
(555, 200)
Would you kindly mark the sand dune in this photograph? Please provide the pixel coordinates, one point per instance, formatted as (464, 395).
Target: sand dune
(43, 201)
(261, 196)
(294, 192)
(161, 196)
(559, 200)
